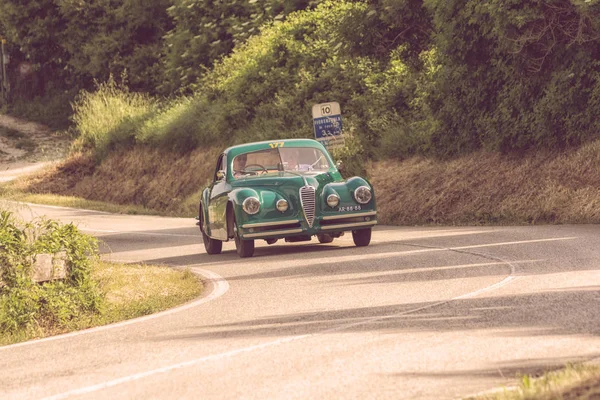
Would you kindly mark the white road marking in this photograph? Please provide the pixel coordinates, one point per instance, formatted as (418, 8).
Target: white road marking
(191, 363)
(220, 287)
(137, 233)
(476, 246)
(59, 207)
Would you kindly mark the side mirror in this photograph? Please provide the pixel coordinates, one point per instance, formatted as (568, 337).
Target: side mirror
(339, 164)
(220, 175)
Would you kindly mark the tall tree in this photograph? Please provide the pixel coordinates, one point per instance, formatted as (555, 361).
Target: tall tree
(206, 30)
(76, 42)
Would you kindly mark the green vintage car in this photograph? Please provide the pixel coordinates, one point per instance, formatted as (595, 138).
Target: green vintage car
(288, 189)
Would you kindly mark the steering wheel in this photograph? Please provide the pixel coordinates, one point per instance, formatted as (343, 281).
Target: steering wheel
(263, 169)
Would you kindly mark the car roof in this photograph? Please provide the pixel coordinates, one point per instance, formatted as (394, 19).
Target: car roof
(272, 144)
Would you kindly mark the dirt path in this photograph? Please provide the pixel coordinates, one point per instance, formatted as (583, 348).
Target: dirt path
(27, 146)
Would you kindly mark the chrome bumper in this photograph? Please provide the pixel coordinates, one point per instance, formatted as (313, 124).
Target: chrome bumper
(344, 222)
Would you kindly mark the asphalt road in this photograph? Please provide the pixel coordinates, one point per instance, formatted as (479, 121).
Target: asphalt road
(423, 313)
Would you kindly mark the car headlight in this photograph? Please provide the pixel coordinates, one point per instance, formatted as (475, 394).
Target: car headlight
(251, 205)
(363, 195)
(282, 205)
(333, 200)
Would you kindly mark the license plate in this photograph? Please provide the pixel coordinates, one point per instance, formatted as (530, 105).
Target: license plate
(349, 208)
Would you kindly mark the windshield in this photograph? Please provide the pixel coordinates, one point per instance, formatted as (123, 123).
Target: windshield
(301, 159)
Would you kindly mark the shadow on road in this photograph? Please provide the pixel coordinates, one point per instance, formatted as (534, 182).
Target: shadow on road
(566, 312)
(509, 371)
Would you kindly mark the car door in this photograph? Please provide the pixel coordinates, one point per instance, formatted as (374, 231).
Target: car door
(217, 207)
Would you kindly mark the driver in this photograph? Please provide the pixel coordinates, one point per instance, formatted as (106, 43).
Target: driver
(239, 165)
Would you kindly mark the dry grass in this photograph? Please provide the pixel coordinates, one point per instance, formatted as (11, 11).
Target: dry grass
(131, 291)
(483, 188)
(167, 182)
(573, 382)
(488, 188)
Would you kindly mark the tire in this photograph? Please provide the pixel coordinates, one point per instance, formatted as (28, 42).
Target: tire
(244, 248)
(324, 238)
(271, 241)
(212, 246)
(362, 237)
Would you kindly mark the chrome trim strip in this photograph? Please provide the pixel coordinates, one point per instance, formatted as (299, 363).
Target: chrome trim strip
(362, 214)
(270, 233)
(350, 225)
(262, 224)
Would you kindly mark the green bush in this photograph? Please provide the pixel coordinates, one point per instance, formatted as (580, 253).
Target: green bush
(109, 116)
(514, 75)
(266, 88)
(412, 76)
(27, 305)
(53, 109)
(203, 32)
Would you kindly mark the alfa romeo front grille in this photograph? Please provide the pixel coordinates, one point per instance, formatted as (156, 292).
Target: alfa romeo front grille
(307, 197)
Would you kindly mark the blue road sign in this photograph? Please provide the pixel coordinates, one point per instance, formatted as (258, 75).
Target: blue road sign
(328, 127)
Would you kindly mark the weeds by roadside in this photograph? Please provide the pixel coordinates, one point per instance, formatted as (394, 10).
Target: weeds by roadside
(94, 292)
(29, 306)
(576, 381)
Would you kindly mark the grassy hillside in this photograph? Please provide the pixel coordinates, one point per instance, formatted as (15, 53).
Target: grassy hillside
(481, 188)
(488, 188)
(161, 181)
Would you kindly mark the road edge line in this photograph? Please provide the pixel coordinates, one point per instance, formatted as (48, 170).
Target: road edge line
(218, 284)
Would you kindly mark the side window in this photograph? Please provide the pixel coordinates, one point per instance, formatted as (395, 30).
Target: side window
(220, 166)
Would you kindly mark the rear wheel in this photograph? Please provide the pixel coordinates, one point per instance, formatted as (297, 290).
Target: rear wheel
(244, 248)
(362, 237)
(212, 246)
(324, 238)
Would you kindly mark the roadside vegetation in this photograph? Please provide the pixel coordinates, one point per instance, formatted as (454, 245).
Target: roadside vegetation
(576, 381)
(460, 113)
(92, 293)
(479, 188)
(433, 78)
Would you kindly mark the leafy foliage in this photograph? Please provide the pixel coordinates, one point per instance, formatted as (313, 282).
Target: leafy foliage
(25, 304)
(413, 76)
(514, 74)
(75, 42)
(206, 30)
(267, 86)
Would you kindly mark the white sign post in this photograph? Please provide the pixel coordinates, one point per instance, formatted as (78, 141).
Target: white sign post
(327, 122)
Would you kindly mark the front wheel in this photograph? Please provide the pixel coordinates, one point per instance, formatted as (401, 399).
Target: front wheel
(244, 248)
(362, 237)
(212, 246)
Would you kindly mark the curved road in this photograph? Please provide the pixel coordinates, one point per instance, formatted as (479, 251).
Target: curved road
(423, 313)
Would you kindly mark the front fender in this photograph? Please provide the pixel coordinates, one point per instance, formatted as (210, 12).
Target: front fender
(236, 198)
(268, 200)
(204, 209)
(356, 181)
(345, 191)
